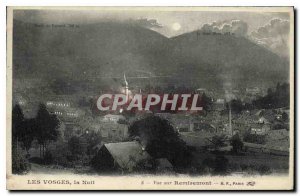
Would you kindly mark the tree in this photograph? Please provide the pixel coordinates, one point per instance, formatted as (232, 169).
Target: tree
(23, 129)
(48, 159)
(217, 165)
(218, 141)
(161, 141)
(75, 146)
(17, 123)
(220, 165)
(208, 163)
(206, 102)
(274, 99)
(19, 163)
(47, 128)
(18, 160)
(93, 138)
(236, 106)
(237, 144)
(21, 134)
(28, 132)
(253, 138)
(285, 117)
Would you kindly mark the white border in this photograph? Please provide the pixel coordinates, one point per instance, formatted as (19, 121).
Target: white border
(5, 3)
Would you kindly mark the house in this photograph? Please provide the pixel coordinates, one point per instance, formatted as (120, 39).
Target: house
(259, 129)
(64, 107)
(253, 91)
(70, 129)
(113, 132)
(181, 122)
(268, 116)
(201, 90)
(256, 119)
(113, 118)
(263, 120)
(122, 157)
(204, 127)
(219, 105)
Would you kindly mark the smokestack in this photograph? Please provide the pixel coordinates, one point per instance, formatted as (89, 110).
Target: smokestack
(191, 124)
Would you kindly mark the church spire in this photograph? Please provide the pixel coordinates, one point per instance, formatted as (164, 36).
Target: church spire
(126, 87)
(126, 83)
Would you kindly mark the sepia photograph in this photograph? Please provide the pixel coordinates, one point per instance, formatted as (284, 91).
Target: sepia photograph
(150, 98)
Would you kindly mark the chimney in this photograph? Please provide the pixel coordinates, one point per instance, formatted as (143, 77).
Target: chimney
(230, 126)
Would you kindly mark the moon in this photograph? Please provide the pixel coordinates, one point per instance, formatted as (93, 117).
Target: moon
(176, 26)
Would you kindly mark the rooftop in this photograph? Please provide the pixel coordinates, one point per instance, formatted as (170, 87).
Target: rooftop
(127, 154)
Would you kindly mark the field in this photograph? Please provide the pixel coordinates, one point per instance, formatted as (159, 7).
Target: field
(249, 163)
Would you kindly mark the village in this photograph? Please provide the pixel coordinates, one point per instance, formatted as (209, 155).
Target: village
(90, 142)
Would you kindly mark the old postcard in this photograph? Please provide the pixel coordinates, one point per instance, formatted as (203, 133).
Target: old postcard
(150, 98)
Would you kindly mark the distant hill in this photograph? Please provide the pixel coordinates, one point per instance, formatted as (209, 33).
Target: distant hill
(229, 58)
(80, 57)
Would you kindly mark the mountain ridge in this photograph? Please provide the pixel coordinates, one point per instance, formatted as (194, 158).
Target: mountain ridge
(112, 48)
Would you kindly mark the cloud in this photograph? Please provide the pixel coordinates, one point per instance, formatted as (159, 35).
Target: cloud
(147, 23)
(238, 27)
(274, 36)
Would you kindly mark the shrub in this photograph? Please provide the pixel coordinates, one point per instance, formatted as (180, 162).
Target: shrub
(264, 170)
(221, 165)
(19, 163)
(252, 138)
(48, 159)
(162, 141)
(218, 165)
(237, 144)
(36, 160)
(75, 146)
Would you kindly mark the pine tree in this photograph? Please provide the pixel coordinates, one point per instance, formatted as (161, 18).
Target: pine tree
(17, 123)
(47, 128)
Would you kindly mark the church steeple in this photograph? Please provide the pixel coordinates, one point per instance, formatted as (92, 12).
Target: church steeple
(126, 86)
(126, 83)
